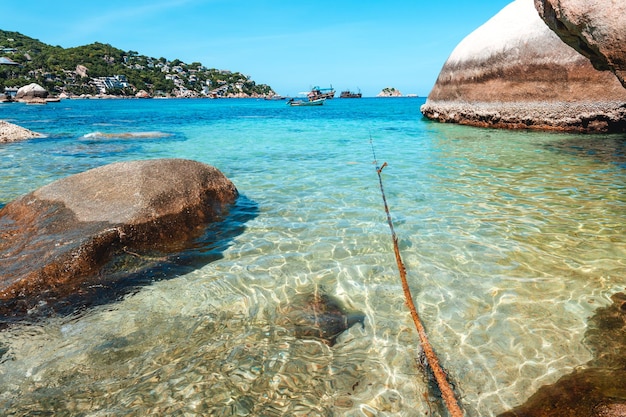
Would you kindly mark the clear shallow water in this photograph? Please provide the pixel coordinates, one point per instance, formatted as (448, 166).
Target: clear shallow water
(511, 240)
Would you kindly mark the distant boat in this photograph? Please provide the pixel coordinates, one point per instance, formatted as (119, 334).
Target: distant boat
(317, 102)
(350, 94)
(317, 93)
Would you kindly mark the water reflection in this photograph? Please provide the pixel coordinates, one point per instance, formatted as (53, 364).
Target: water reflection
(511, 242)
(607, 149)
(598, 389)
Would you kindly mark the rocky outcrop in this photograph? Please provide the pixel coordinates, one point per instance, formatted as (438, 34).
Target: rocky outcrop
(70, 235)
(514, 72)
(142, 94)
(14, 133)
(82, 71)
(31, 92)
(595, 28)
(389, 92)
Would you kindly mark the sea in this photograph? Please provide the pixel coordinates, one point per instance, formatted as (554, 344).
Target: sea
(512, 241)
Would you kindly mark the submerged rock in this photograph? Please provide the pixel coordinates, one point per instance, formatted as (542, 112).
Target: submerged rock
(594, 28)
(514, 72)
(320, 317)
(600, 389)
(56, 241)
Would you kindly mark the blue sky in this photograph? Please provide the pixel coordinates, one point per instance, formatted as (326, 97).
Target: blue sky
(291, 45)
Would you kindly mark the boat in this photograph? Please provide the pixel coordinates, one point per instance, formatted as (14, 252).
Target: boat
(350, 94)
(317, 93)
(317, 102)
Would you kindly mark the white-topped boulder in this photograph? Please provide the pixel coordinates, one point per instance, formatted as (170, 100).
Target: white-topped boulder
(514, 72)
(31, 91)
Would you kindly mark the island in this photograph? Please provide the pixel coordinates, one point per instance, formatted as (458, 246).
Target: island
(101, 70)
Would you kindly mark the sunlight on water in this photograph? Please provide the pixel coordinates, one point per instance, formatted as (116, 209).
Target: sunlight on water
(511, 240)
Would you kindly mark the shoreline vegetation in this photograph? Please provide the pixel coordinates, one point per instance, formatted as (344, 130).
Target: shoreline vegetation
(98, 70)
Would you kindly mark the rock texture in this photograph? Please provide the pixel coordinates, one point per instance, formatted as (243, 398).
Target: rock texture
(82, 71)
(57, 240)
(514, 72)
(595, 28)
(30, 92)
(13, 133)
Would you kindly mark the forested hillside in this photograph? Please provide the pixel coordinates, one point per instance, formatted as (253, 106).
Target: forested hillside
(96, 69)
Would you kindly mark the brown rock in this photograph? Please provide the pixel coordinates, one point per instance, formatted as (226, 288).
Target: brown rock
(319, 316)
(595, 28)
(514, 72)
(587, 393)
(56, 240)
(142, 94)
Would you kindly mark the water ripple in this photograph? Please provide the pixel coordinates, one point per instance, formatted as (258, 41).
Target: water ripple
(512, 240)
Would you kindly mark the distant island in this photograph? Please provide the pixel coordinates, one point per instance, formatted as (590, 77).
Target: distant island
(389, 92)
(100, 69)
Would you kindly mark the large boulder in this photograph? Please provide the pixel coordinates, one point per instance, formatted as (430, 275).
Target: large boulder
(56, 241)
(595, 28)
(10, 132)
(514, 72)
(31, 91)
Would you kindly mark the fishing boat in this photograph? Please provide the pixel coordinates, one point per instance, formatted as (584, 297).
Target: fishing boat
(317, 93)
(317, 102)
(350, 94)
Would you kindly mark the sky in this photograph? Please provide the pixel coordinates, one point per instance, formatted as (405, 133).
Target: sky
(291, 45)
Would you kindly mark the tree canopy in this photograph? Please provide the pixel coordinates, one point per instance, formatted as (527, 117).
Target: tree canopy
(55, 68)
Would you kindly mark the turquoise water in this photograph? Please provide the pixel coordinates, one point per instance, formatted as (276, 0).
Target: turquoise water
(511, 241)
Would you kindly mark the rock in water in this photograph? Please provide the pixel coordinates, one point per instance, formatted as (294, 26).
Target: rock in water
(514, 72)
(57, 239)
(595, 28)
(31, 91)
(320, 316)
(598, 390)
(13, 133)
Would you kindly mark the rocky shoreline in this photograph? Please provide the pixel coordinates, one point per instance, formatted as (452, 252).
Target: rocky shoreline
(590, 117)
(10, 132)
